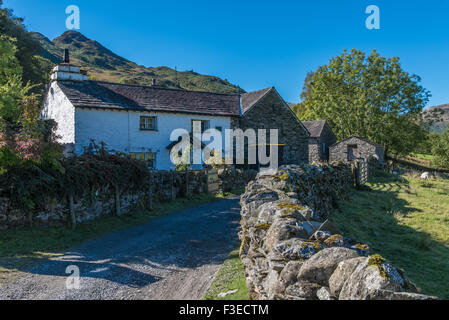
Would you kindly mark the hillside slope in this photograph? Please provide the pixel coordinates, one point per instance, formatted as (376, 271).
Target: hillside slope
(103, 64)
(439, 126)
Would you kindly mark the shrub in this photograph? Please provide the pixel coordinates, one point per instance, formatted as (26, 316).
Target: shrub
(440, 150)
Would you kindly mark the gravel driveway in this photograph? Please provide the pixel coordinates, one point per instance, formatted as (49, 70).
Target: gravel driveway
(174, 257)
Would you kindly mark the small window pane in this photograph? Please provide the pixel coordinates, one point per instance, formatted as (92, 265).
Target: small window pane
(148, 123)
(205, 125)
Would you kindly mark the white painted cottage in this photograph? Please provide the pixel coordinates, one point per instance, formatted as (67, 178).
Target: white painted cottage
(139, 120)
(133, 119)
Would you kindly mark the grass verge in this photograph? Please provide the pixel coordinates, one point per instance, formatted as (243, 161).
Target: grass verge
(21, 247)
(230, 277)
(406, 220)
(419, 162)
(422, 156)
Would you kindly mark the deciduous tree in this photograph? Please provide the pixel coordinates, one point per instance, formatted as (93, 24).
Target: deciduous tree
(34, 68)
(369, 96)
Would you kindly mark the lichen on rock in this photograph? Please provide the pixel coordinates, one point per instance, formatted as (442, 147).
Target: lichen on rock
(378, 261)
(290, 251)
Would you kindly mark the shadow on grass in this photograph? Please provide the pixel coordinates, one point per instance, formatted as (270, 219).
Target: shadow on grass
(374, 218)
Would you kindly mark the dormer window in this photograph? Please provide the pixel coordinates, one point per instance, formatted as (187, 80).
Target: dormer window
(148, 123)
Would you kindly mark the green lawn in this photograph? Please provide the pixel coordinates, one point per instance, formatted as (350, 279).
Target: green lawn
(20, 248)
(422, 156)
(230, 277)
(407, 221)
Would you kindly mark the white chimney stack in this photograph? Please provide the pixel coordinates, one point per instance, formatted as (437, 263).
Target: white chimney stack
(67, 72)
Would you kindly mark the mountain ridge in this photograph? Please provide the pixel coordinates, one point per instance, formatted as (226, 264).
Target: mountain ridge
(103, 64)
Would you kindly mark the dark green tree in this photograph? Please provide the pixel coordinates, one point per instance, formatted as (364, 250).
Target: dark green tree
(34, 68)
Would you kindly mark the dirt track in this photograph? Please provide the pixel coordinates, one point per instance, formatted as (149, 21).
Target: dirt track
(174, 257)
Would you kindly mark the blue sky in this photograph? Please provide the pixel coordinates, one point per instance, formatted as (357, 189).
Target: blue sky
(257, 44)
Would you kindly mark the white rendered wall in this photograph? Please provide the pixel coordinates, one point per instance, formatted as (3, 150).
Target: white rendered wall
(60, 109)
(121, 131)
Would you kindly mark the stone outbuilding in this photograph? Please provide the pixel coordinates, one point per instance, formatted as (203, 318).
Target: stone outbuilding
(321, 138)
(265, 109)
(354, 148)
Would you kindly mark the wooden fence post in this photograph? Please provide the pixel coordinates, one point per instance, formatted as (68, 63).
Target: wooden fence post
(207, 181)
(172, 185)
(72, 211)
(117, 201)
(187, 185)
(150, 192)
(356, 172)
(30, 218)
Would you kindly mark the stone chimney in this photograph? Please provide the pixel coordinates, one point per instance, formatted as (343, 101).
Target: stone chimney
(67, 72)
(66, 56)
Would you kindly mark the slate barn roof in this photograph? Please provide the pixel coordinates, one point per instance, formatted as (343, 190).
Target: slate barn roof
(96, 94)
(251, 98)
(315, 127)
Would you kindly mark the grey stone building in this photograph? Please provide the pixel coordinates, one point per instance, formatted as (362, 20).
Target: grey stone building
(265, 109)
(321, 138)
(356, 148)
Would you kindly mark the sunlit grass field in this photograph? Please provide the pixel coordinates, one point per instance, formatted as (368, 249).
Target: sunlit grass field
(406, 220)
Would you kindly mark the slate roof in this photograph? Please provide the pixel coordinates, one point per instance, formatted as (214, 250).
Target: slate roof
(251, 98)
(315, 127)
(97, 94)
(360, 138)
(107, 95)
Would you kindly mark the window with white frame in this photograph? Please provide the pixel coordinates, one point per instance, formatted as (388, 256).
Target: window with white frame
(148, 123)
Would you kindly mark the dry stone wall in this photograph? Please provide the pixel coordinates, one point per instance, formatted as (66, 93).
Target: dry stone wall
(165, 186)
(56, 211)
(290, 251)
(231, 178)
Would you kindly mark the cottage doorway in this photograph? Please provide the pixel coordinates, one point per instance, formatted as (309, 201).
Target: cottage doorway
(353, 152)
